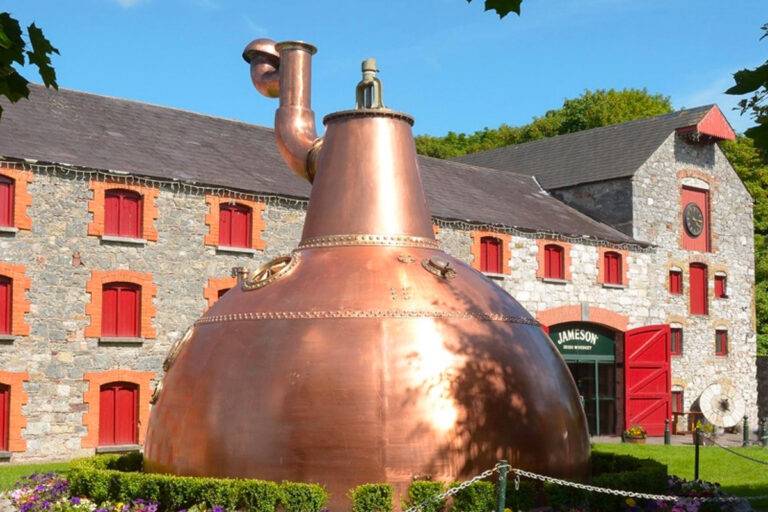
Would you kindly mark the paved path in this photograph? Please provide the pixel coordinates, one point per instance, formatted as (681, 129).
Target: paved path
(687, 439)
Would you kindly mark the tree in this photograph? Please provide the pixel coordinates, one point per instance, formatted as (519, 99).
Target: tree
(14, 51)
(754, 81)
(502, 7)
(752, 167)
(590, 110)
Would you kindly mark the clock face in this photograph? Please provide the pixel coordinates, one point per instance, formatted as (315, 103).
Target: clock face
(693, 219)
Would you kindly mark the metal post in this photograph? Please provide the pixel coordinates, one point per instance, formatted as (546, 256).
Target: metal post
(763, 432)
(696, 443)
(667, 432)
(745, 432)
(503, 471)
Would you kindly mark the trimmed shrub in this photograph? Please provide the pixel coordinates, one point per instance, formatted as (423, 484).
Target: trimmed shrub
(119, 478)
(371, 498)
(478, 497)
(295, 497)
(422, 491)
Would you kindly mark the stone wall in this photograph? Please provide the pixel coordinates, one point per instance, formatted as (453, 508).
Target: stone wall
(658, 219)
(608, 201)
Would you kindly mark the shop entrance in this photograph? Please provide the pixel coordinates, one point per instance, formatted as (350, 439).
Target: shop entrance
(590, 352)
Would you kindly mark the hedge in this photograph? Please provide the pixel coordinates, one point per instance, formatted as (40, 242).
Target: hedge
(119, 478)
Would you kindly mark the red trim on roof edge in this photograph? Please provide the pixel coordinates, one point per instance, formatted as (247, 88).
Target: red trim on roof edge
(713, 124)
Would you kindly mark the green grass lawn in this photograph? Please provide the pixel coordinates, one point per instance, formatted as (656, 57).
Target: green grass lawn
(9, 473)
(737, 476)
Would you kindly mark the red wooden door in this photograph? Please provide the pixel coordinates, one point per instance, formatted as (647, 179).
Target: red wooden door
(5, 416)
(647, 378)
(5, 305)
(490, 254)
(700, 198)
(6, 201)
(118, 414)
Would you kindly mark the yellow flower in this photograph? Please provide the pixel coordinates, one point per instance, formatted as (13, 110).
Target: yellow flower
(631, 502)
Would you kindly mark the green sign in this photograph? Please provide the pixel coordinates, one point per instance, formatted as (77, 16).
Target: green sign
(583, 339)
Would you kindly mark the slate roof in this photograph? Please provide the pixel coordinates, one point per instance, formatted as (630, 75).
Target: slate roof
(98, 132)
(598, 154)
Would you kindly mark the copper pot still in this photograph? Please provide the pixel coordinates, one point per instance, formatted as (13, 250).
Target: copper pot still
(368, 354)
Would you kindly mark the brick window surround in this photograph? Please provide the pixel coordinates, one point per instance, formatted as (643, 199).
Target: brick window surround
(212, 220)
(19, 302)
(17, 420)
(22, 199)
(624, 255)
(92, 396)
(564, 314)
(476, 250)
(97, 207)
(215, 285)
(541, 254)
(148, 291)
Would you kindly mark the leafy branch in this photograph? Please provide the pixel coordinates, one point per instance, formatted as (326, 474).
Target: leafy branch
(502, 7)
(15, 51)
(754, 81)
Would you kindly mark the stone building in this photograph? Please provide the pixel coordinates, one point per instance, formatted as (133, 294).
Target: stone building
(121, 222)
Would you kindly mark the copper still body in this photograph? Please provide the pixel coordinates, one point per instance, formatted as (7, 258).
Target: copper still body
(368, 354)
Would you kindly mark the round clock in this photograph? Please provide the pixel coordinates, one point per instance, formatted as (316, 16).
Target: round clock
(693, 219)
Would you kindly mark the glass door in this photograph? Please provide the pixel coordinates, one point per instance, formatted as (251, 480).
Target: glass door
(584, 374)
(596, 382)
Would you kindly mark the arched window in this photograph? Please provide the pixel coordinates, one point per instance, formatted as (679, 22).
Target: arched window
(122, 213)
(491, 254)
(234, 225)
(554, 262)
(612, 268)
(6, 297)
(118, 414)
(120, 310)
(6, 201)
(699, 297)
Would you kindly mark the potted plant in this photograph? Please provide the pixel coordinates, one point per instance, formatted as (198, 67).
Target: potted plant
(635, 434)
(707, 433)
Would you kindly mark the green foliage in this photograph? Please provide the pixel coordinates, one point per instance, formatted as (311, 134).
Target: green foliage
(371, 498)
(119, 478)
(752, 167)
(422, 491)
(502, 7)
(478, 497)
(297, 497)
(754, 81)
(14, 52)
(590, 110)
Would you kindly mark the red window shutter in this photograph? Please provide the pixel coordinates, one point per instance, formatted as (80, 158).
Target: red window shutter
(721, 343)
(701, 199)
(118, 414)
(123, 213)
(676, 341)
(554, 267)
(490, 254)
(107, 415)
(5, 416)
(120, 310)
(234, 225)
(6, 201)
(699, 299)
(720, 290)
(225, 225)
(6, 298)
(612, 268)
(677, 401)
(675, 282)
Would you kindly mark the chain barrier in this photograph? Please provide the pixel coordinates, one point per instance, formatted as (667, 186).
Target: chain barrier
(733, 452)
(584, 487)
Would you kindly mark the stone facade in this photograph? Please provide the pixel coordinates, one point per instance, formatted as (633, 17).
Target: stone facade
(60, 362)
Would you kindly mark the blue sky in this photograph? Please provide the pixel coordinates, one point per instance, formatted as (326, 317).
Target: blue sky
(448, 63)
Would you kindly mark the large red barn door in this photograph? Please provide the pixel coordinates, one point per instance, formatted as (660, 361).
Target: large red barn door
(647, 381)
